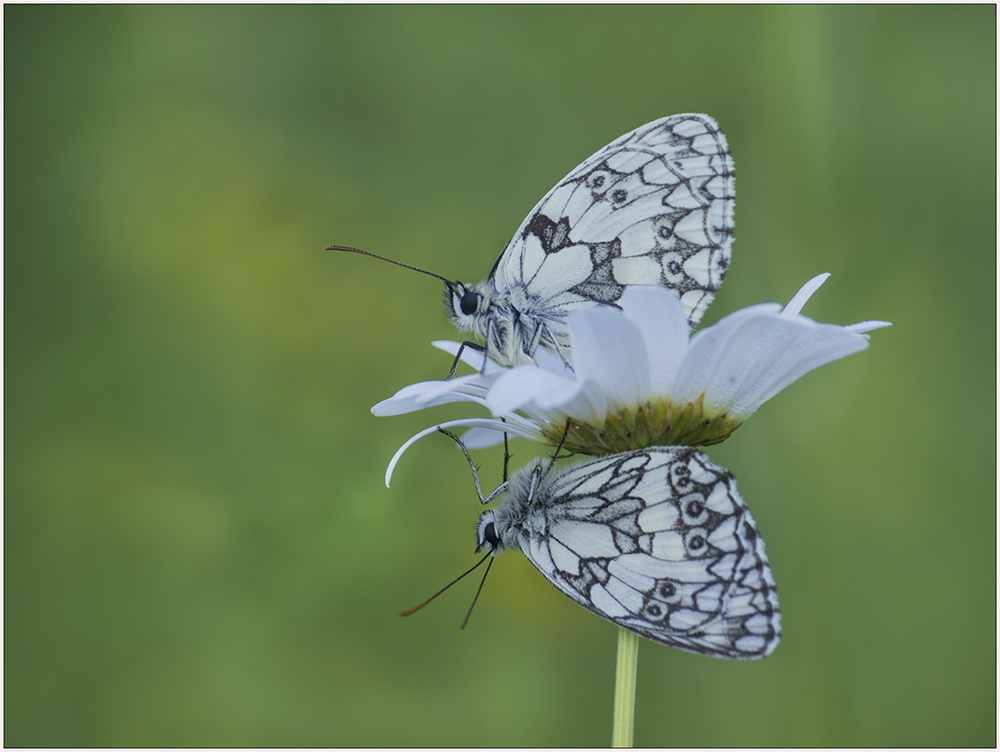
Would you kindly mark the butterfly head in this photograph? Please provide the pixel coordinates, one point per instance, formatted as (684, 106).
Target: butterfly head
(487, 537)
(466, 306)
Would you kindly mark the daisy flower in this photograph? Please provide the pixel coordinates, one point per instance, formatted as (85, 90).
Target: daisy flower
(640, 379)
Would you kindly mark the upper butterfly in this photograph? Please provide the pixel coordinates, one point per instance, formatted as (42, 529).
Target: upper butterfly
(654, 207)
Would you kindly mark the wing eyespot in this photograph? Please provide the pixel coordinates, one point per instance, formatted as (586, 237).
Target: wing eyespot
(680, 477)
(654, 613)
(666, 590)
(693, 510)
(695, 541)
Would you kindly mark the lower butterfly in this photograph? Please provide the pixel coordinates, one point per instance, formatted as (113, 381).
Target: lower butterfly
(655, 540)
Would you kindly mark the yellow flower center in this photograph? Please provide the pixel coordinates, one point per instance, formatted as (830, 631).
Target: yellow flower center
(655, 423)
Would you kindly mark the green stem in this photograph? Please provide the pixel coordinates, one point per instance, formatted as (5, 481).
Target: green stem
(628, 661)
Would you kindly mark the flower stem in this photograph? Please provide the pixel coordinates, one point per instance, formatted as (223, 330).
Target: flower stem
(628, 661)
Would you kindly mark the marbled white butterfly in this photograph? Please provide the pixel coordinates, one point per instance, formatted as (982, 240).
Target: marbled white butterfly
(656, 540)
(654, 207)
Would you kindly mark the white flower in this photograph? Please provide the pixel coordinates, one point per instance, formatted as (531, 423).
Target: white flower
(640, 381)
(472, 388)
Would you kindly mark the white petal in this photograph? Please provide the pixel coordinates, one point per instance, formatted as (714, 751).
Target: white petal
(515, 425)
(585, 401)
(809, 348)
(452, 390)
(662, 322)
(609, 350)
(522, 385)
(546, 396)
(424, 394)
(802, 296)
(867, 326)
(754, 354)
(480, 438)
(708, 357)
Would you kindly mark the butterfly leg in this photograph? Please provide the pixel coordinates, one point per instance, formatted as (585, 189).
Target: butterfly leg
(562, 441)
(475, 470)
(555, 455)
(562, 351)
(506, 453)
(458, 357)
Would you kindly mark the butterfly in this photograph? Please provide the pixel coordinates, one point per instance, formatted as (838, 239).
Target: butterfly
(656, 540)
(654, 207)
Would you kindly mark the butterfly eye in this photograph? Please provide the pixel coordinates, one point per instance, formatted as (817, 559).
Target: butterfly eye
(490, 534)
(470, 302)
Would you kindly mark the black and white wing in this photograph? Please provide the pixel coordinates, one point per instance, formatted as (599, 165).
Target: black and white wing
(658, 541)
(655, 207)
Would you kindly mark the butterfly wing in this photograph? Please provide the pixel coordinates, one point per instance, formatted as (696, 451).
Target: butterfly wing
(659, 542)
(655, 207)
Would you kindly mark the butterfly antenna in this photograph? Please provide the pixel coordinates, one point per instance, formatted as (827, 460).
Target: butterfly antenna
(383, 258)
(417, 608)
(481, 583)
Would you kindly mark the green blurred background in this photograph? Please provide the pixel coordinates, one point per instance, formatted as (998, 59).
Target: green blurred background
(199, 547)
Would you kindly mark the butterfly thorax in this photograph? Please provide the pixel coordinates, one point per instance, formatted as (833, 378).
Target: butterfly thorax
(513, 330)
(520, 512)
